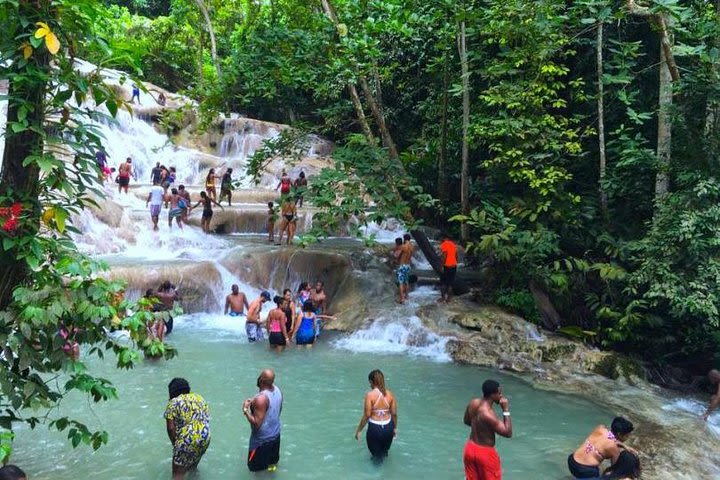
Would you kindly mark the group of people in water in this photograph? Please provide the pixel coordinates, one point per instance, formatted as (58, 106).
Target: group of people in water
(295, 319)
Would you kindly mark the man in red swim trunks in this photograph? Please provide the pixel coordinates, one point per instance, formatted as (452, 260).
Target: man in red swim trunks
(480, 457)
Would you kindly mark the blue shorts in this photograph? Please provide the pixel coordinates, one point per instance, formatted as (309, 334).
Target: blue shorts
(236, 314)
(403, 273)
(254, 332)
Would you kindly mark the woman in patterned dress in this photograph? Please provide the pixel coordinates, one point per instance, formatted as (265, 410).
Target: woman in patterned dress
(188, 426)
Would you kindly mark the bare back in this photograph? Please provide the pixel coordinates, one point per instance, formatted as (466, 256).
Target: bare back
(381, 406)
(253, 315)
(600, 445)
(482, 422)
(406, 253)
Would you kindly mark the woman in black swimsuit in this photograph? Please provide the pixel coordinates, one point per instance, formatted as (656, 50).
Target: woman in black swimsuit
(289, 221)
(207, 203)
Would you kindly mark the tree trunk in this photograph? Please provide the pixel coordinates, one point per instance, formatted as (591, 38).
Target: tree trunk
(17, 181)
(712, 112)
(464, 170)
(601, 119)
(211, 31)
(379, 118)
(354, 97)
(665, 34)
(664, 132)
(442, 159)
(550, 317)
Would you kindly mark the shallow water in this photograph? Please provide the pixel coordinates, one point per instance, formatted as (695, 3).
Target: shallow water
(323, 391)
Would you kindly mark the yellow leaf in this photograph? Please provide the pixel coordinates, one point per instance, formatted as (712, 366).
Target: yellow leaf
(52, 43)
(43, 30)
(27, 50)
(48, 215)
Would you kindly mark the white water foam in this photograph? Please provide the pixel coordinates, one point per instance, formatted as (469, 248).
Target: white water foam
(695, 408)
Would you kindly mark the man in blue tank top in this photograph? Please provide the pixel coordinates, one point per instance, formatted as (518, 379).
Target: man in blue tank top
(263, 413)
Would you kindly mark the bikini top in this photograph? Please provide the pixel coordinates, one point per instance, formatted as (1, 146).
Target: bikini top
(590, 448)
(380, 411)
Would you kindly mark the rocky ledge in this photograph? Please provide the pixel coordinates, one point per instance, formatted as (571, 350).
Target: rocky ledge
(672, 445)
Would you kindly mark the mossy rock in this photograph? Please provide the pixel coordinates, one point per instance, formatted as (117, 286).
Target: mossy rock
(613, 366)
(556, 352)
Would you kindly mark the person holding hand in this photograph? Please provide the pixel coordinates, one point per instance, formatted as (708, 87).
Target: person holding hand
(480, 457)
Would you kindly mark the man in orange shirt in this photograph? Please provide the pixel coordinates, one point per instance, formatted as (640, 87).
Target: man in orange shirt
(448, 250)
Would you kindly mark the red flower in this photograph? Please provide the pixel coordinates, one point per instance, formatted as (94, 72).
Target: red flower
(10, 224)
(16, 209)
(4, 212)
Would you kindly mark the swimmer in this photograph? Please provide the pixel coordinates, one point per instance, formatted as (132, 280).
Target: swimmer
(480, 457)
(714, 377)
(380, 411)
(235, 302)
(602, 444)
(276, 326)
(306, 325)
(252, 324)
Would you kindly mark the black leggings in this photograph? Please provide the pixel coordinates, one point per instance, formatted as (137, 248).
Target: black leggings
(379, 438)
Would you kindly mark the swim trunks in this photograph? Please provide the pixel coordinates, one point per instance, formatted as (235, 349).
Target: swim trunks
(155, 210)
(403, 273)
(236, 314)
(175, 212)
(481, 462)
(276, 338)
(123, 180)
(207, 214)
(578, 470)
(254, 332)
(263, 456)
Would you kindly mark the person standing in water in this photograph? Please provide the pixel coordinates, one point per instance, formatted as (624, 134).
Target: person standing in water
(276, 325)
(272, 218)
(135, 93)
(177, 205)
(318, 298)
(403, 270)
(210, 184)
(284, 184)
(155, 199)
(252, 324)
(714, 377)
(448, 251)
(380, 412)
(167, 295)
(185, 195)
(290, 310)
(602, 444)
(236, 302)
(156, 174)
(480, 457)
(188, 426)
(263, 414)
(288, 213)
(226, 186)
(125, 170)
(300, 188)
(306, 325)
(207, 214)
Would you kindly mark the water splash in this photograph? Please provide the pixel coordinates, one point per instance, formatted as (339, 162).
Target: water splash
(695, 408)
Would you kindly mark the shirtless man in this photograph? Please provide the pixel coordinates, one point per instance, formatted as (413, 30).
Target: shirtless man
(124, 172)
(252, 324)
(184, 194)
(714, 377)
(167, 296)
(480, 457)
(403, 271)
(176, 211)
(318, 298)
(235, 302)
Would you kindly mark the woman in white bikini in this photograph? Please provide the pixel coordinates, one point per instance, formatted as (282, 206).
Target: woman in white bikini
(380, 412)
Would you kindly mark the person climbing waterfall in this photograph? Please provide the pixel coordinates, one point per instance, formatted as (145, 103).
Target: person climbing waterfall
(448, 251)
(125, 170)
(252, 324)
(156, 174)
(135, 93)
(207, 213)
(300, 188)
(236, 302)
(226, 186)
(167, 295)
(155, 200)
(380, 414)
(714, 377)
(480, 458)
(184, 194)
(187, 421)
(285, 183)
(288, 213)
(263, 414)
(272, 218)
(210, 184)
(403, 271)
(177, 206)
(276, 325)
(602, 444)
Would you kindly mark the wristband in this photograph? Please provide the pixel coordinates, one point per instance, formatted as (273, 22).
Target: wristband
(506, 414)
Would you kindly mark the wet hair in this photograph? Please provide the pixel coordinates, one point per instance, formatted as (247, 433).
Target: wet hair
(203, 195)
(621, 426)
(377, 378)
(178, 386)
(181, 187)
(234, 287)
(212, 170)
(270, 205)
(287, 290)
(398, 241)
(229, 170)
(302, 174)
(278, 300)
(406, 237)
(627, 465)
(166, 285)
(128, 159)
(490, 387)
(174, 191)
(172, 169)
(302, 286)
(12, 472)
(308, 307)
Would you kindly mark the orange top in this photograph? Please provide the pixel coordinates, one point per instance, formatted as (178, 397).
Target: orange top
(449, 248)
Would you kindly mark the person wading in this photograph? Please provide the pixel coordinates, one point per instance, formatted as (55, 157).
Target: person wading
(236, 302)
(263, 414)
(380, 412)
(155, 199)
(252, 324)
(480, 457)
